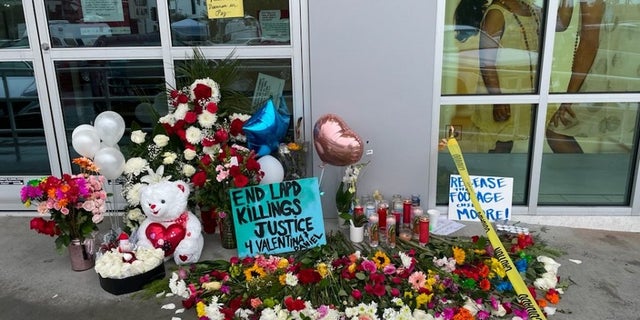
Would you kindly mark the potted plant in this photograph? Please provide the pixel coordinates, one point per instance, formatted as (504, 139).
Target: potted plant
(356, 223)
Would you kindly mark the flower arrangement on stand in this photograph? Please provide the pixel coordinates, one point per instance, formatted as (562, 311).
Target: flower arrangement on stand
(451, 278)
(188, 144)
(75, 203)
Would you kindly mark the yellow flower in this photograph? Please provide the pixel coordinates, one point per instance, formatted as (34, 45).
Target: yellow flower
(283, 263)
(254, 272)
(352, 268)
(322, 269)
(200, 309)
(423, 299)
(480, 251)
(282, 279)
(431, 280)
(294, 146)
(381, 259)
(497, 268)
(408, 294)
(459, 255)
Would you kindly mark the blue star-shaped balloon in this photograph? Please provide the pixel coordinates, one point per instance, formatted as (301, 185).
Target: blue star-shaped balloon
(267, 127)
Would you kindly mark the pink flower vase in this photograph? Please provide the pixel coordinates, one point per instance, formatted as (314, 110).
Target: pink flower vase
(81, 254)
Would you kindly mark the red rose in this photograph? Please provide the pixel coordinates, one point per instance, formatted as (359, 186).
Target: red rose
(253, 164)
(206, 160)
(356, 294)
(191, 117)
(202, 91)
(199, 178)
(174, 94)
(212, 107)
(236, 127)
(37, 224)
(240, 181)
(309, 276)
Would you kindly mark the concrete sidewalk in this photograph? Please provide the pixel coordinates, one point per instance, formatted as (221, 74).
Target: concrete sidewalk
(37, 283)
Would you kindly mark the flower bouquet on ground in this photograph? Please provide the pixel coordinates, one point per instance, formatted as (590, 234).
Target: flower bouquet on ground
(74, 203)
(451, 278)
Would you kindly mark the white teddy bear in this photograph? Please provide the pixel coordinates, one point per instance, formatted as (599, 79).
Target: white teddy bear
(169, 224)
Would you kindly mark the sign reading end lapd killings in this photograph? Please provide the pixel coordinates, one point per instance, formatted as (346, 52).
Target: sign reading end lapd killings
(278, 217)
(494, 195)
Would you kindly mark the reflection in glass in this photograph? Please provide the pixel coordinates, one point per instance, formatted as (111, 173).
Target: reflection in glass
(491, 50)
(263, 23)
(134, 89)
(103, 23)
(605, 50)
(603, 139)
(23, 150)
(13, 31)
(479, 160)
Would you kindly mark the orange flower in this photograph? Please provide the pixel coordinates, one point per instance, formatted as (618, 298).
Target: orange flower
(542, 303)
(463, 314)
(485, 285)
(553, 296)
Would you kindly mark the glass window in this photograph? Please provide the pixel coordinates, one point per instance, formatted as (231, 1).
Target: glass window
(103, 23)
(258, 23)
(591, 160)
(490, 148)
(134, 89)
(492, 49)
(23, 149)
(601, 37)
(13, 30)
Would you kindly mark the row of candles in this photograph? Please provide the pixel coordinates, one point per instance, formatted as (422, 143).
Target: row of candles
(403, 218)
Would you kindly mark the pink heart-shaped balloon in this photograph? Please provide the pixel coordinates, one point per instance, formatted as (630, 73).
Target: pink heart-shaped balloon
(335, 142)
(165, 238)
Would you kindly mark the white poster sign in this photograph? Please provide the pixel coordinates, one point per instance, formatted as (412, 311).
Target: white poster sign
(494, 195)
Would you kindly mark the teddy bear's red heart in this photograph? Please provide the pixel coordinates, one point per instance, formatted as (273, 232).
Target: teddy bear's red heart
(183, 257)
(165, 238)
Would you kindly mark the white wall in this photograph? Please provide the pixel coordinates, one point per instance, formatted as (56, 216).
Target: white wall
(371, 63)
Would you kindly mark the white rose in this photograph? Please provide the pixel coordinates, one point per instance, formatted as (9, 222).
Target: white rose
(189, 154)
(546, 282)
(169, 158)
(194, 135)
(188, 170)
(161, 140)
(138, 136)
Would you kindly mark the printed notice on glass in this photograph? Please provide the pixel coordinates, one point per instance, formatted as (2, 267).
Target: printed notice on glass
(102, 10)
(218, 9)
(278, 217)
(274, 27)
(268, 87)
(494, 195)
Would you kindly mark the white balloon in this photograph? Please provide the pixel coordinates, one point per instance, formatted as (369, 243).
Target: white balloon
(110, 161)
(110, 127)
(83, 127)
(272, 168)
(86, 143)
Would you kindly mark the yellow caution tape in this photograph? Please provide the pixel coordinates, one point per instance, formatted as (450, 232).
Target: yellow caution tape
(522, 292)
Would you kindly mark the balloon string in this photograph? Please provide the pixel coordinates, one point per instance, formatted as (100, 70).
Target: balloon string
(321, 176)
(115, 223)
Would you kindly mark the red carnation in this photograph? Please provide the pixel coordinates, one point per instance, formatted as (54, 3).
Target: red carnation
(191, 117)
(208, 142)
(294, 304)
(199, 178)
(182, 98)
(240, 180)
(236, 127)
(253, 164)
(202, 91)
(356, 294)
(212, 107)
(221, 136)
(206, 160)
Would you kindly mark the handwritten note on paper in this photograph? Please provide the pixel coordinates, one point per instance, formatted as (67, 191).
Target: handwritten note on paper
(218, 9)
(278, 217)
(493, 193)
